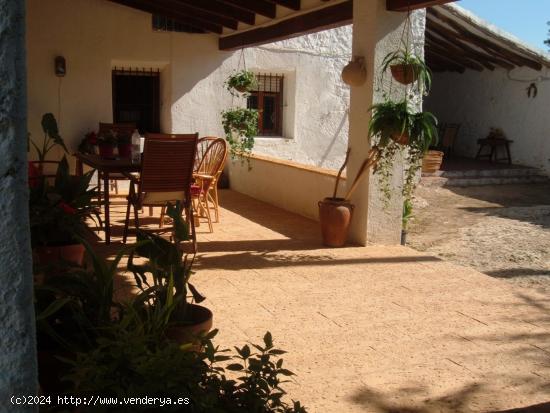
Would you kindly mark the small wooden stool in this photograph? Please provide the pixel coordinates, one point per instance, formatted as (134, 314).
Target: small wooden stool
(494, 144)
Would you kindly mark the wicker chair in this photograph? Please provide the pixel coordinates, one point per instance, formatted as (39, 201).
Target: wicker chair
(212, 153)
(166, 176)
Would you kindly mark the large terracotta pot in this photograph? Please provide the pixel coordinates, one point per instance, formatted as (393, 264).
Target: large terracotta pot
(404, 74)
(335, 217)
(431, 162)
(73, 253)
(202, 323)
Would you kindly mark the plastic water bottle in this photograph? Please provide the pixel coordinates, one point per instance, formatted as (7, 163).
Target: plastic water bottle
(136, 153)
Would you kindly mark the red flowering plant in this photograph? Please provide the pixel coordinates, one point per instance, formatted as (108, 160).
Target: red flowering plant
(87, 145)
(58, 210)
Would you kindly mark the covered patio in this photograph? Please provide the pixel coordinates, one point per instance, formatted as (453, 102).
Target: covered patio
(376, 329)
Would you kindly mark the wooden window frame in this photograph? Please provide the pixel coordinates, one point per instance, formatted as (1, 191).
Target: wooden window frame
(278, 94)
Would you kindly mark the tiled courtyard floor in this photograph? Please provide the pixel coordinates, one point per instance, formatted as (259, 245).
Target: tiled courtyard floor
(375, 329)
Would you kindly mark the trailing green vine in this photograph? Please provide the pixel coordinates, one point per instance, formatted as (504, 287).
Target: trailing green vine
(240, 126)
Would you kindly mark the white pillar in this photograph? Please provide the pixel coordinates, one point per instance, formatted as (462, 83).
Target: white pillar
(18, 372)
(376, 32)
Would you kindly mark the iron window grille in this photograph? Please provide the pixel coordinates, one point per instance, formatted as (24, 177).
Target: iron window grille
(267, 98)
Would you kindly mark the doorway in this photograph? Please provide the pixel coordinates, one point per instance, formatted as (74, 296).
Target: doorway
(136, 98)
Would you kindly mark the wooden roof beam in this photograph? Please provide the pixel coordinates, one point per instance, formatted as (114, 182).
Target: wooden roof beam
(433, 40)
(406, 5)
(202, 15)
(443, 62)
(486, 44)
(289, 4)
(445, 33)
(449, 54)
(222, 9)
(262, 7)
(321, 19)
(154, 8)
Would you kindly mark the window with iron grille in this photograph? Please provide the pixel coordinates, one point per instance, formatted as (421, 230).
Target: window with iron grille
(267, 98)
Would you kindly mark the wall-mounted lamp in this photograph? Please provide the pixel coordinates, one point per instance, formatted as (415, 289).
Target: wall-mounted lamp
(60, 66)
(355, 73)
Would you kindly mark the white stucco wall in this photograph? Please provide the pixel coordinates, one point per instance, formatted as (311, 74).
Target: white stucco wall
(481, 100)
(96, 35)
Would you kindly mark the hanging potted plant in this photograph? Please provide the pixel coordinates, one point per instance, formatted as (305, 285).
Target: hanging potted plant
(394, 126)
(406, 68)
(107, 142)
(242, 82)
(57, 216)
(170, 270)
(240, 126)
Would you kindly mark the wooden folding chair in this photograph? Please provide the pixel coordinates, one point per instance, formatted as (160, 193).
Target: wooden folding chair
(166, 176)
(206, 175)
(448, 135)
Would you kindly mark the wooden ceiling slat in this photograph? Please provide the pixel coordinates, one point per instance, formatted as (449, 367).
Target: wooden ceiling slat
(289, 4)
(452, 37)
(484, 43)
(442, 62)
(256, 6)
(322, 19)
(450, 54)
(434, 41)
(406, 5)
(222, 9)
(181, 7)
(153, 8)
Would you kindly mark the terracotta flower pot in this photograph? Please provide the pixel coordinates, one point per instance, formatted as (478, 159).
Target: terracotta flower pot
(404, 74)
(73, 253)
(335, 217)
(431, 162)
(187, 333)
(107, 151)
(401, 138)
(125, 150)
(241, 88)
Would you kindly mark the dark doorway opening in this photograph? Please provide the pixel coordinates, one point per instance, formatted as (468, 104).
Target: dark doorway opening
(136, 98)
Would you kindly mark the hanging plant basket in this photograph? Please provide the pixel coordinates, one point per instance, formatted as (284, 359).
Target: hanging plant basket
(243, 81)
(404, 73)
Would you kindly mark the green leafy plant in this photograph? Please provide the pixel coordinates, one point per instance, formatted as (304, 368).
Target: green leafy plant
(394, 127)
(129, 361)
(407, 213)
(168, 268)
(240, 126)
(241, 82)
(408, 68)
(58, 211)
(51, 137)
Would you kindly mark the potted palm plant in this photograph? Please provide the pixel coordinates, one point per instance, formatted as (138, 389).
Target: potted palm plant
(170, 270)
(57, 215)
(242, 82)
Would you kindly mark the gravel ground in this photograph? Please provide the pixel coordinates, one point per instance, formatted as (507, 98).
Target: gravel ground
(502, 231)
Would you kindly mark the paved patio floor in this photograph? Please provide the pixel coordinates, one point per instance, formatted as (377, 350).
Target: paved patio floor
(375, 329)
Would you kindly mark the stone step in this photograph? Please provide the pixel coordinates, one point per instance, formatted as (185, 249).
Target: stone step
(487, 173)
(440, 181)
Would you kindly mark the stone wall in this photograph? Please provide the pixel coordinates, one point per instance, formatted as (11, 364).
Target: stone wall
(17, 335)
(479, 101)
